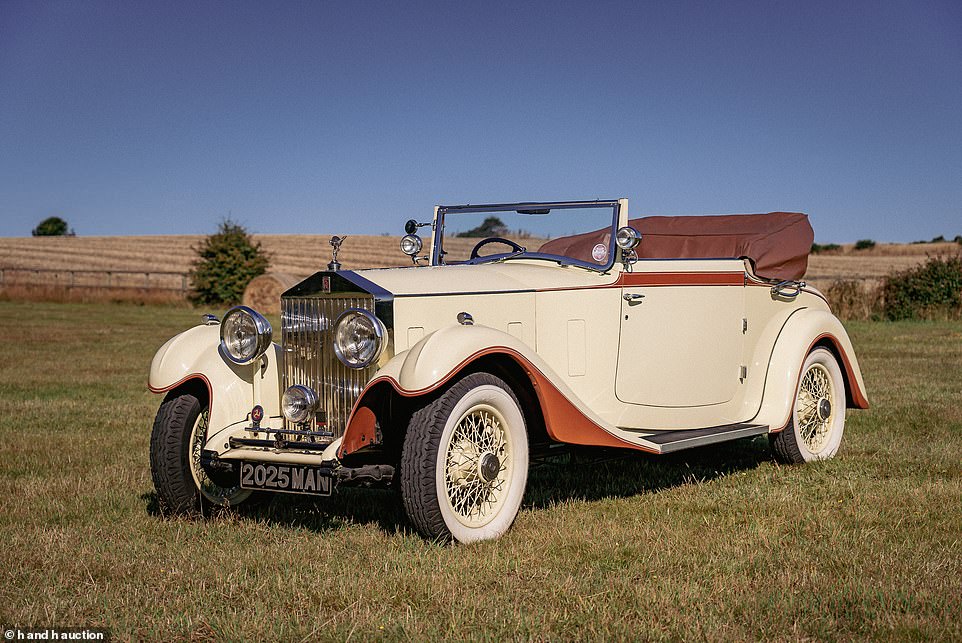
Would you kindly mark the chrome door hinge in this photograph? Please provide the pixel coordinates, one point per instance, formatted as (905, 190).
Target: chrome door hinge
(744, 325)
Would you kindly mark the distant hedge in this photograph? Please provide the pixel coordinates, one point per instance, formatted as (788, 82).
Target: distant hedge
(825, 247)
(930, 291)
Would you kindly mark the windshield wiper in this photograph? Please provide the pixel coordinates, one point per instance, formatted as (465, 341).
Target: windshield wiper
(500, 258)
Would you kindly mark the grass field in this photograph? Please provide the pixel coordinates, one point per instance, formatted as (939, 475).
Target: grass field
(718, 543)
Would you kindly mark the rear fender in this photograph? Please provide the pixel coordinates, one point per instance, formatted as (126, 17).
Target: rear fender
(804, 331)
(233, 389)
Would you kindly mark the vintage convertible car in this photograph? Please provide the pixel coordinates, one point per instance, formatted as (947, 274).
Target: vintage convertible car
(532, 325)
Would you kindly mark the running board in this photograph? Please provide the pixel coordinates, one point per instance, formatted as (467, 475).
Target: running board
(670, 441)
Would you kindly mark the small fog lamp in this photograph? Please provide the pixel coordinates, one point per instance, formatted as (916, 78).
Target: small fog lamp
(298, 403)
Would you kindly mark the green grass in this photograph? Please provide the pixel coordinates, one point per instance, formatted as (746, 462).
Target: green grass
(718, 543)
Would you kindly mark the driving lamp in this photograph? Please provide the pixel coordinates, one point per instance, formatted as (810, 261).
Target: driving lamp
(298, 403)
(245, 335)
(411, 244)
(358, 338)
(627, 238)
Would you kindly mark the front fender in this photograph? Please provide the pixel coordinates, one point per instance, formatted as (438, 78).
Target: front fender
(442, 355)
(805, 330)
(233, 389)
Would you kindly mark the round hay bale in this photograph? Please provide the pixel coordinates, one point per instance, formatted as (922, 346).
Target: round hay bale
(263, 293)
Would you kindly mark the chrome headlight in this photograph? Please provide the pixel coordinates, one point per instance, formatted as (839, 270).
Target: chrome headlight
(298, 403)
(359, 338)
(245, 335)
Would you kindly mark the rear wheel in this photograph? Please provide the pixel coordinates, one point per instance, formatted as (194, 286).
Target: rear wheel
(464, 463)
(818, 414)
(176, 442)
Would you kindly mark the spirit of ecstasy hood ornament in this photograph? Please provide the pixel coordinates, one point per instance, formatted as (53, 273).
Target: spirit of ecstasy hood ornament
(336, 245)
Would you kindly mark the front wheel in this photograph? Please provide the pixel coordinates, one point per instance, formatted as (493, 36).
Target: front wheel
(818, 413)
(176, 441)
(464, 464)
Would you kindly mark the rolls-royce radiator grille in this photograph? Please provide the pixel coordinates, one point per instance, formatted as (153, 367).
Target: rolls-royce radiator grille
(307, 329)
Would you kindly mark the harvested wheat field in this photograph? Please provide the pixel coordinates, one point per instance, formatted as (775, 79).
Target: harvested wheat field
(293, 254)
(874, 263)
(301, 255)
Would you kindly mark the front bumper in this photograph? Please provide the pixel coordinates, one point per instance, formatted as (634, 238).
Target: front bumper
(224, 470)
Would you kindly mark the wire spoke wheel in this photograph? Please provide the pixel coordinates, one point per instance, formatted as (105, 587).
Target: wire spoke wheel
(815, 408)
(211, 491)
(477, 465)
(818, 414)
(464, 462)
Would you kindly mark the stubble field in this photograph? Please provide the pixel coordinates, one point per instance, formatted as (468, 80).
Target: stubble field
(302, 255)
(719, 543)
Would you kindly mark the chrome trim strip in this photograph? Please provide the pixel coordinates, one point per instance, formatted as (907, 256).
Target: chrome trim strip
(527, 205)
(678, 440)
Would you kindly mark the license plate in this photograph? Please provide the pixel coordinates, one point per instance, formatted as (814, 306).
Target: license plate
(288, 478)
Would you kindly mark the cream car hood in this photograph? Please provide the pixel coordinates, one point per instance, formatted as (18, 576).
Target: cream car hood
(509, 276)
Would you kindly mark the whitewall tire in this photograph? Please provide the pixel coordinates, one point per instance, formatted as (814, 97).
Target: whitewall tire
(818, 412)
(464, 464)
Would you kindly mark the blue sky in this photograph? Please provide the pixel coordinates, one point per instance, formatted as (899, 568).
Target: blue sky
(137, 117)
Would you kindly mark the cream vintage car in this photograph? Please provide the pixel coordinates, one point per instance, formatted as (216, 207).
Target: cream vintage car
(523, 327)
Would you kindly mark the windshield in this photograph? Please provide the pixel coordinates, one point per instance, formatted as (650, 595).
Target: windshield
(579, 233)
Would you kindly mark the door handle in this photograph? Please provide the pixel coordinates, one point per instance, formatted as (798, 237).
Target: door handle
(630, 297)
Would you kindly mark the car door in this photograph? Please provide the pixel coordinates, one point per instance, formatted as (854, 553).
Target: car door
(681, 340)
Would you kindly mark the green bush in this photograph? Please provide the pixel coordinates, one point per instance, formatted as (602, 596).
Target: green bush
(864, 244)
(958, 239)
(51, 227)
(225, 264)
(930, 291)
(827, 247)
(853, 298)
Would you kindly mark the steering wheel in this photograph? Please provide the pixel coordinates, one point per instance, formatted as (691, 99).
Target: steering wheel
(484, 242)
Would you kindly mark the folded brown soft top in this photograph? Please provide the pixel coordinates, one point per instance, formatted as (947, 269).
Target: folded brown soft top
(777, 243)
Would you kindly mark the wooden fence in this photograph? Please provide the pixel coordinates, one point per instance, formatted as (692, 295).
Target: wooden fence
(99, 279)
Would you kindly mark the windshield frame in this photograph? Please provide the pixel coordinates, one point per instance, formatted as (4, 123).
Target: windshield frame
(437, 251)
